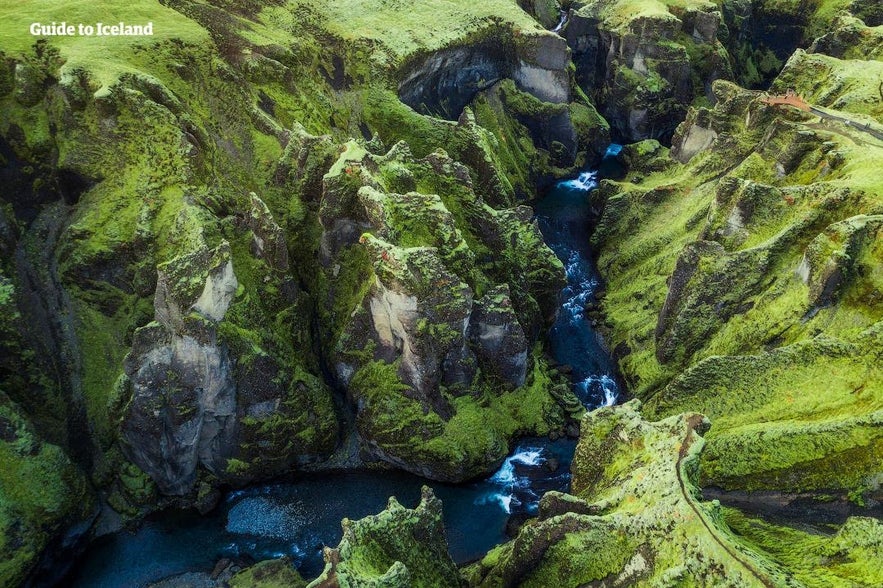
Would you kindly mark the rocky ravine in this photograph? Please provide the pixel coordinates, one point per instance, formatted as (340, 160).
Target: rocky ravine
(217, 271)
(219, 244)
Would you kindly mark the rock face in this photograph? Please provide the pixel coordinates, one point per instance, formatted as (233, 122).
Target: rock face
(530, 71)
(644, 67)
(183, 407)
(194, 401)
(446, 81)
(497, 336)
(398, 547)
(407, 297)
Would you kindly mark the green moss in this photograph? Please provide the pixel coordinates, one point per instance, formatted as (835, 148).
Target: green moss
(398, 547)
(103, 340)
(237, 467)
(477, 434)
(583, 557)
(403, 33)
(107, 59)
(394, 121)
(274, 573)
(850, 557)
(41, 492)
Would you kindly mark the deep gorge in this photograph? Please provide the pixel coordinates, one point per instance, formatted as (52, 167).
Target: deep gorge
(281, 253)
(276, 520)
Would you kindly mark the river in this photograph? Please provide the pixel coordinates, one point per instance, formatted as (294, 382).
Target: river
(297, 518)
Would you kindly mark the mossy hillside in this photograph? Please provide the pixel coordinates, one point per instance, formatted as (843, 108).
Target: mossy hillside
(567, 548)
(155, 196)
(703, 263)
(794, 215)
(505, 158)
(373, 45)
(849, 37)
(41, 494)
(850, 557)
(403, 31)
(106, 58)
(804, 417)
(634, 481)
(841, 85)
(621, 15)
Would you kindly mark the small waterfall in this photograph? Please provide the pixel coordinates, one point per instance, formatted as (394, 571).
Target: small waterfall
(602, 386)
(585, 181)
(507, 481)
(563, 216)
(561, 21)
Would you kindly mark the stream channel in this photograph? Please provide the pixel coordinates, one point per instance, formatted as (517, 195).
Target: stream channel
(297, 518)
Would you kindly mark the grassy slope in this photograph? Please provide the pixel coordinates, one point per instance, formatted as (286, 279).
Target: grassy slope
(784, 419)
(105, 57)
(851, 557)
(634, 482)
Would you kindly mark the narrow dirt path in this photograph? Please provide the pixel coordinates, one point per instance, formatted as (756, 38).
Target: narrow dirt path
(794, 101)
(682, 454)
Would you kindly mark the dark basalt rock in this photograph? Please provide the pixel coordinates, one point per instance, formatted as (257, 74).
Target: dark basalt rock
(447, 80)
(640, 71)
(497, 337)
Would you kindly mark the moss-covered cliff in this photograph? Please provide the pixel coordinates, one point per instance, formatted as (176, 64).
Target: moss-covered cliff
(221, 240)
(743, 284)
(274, 225)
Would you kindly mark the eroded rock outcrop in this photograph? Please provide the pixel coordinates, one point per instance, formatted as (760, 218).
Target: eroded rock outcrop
(398, 547)
(416, 347)
(643, 67)
(183, 394)
(198, 396)
(497, 336)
